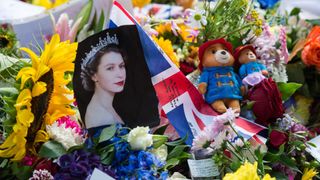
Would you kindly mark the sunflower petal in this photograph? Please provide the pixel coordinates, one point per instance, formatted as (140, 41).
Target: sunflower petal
(39, 88)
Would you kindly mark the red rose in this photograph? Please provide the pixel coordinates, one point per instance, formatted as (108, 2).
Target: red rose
(267, 105)
(277, 138)
(48, 165)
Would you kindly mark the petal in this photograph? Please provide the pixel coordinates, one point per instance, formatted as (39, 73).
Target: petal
(39, 88)
(24, 99)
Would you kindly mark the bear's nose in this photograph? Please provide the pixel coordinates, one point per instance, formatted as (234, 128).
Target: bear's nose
(223, 52)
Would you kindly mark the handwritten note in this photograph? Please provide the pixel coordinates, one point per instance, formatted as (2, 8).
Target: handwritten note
(203, 168)
(99, 175)
(315, 151)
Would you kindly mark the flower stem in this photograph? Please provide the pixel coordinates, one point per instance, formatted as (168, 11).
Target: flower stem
(255, 158)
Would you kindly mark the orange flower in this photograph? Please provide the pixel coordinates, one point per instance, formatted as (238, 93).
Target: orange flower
(311, 52)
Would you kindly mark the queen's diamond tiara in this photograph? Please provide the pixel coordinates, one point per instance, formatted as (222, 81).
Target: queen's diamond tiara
(103, 42)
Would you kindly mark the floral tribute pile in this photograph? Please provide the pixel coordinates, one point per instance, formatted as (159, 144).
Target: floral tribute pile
(43, 137)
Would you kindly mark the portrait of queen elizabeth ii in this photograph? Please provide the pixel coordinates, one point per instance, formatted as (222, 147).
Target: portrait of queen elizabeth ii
(112, 83)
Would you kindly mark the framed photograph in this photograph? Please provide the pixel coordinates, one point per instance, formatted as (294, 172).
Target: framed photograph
(111, 81)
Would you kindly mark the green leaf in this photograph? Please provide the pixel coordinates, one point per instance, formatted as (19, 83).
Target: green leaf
(314, 21)
(8, 91)
(4, 163)
(107, 133)
(185, 155)
(52, 149)
(107, 156)
(295, 11)
(6, 62)
(21, 172)
(158, 140)
(85, 14)
(73, 148)
(100, 24)
(176, 151)
(284, 159)
(161, 129)
(171, 163)
(235, 165)
(287, 89)
(177, 142)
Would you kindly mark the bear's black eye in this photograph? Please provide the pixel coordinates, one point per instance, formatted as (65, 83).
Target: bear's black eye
(213, 51)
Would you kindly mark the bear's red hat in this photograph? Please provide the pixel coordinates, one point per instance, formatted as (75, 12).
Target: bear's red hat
(205, 45)
(238, 50)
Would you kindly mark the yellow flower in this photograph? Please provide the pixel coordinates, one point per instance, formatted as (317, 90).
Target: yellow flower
(166, 46)
(163, 28)
(258, 22)
(254, 14)
(247, 171)
(140, 3)
(308, 174)
(258, 31)
(48, 4)
(57, 58)
(184, 33)
(14, 145)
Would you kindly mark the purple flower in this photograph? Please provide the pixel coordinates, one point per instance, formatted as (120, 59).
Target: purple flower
(78, 165)
(298, 127)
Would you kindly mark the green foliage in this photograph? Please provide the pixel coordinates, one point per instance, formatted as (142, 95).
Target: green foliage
(158, 140)
(85, 14)
(226, 20)
(15, 171)
(52, 149)
(107, 133)
(288, 89)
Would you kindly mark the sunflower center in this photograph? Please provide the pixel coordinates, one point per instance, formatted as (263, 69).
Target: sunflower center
(197, 17)
(3, 42)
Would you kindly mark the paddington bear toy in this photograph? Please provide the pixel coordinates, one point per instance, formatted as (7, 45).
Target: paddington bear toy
(251, 71)
(218, 81)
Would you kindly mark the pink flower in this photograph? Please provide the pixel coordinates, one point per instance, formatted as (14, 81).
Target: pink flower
(64, 29)
(69, 123)
(193, 34)
(174, 28)
(283, 42)
(28, 160)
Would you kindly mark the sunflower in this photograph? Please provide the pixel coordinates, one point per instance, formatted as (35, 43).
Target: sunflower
(44, 97)
(140, 3)
(166, 46)
(48, 4)
(7, 41)
(163, 28)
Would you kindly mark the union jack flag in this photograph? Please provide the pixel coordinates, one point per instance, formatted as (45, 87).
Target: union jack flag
(180, 100)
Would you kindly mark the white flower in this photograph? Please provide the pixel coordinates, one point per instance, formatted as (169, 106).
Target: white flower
(139, 138)
(41, 174)
(161, 152)
(196, 18)
(220, 138)
(177, 176)
(238, 142)
(68, 137)
(201, 140)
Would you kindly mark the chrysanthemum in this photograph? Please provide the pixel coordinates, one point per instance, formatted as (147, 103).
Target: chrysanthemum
(196, 18)
(43, 97)
(166, 46)
(247, 171)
